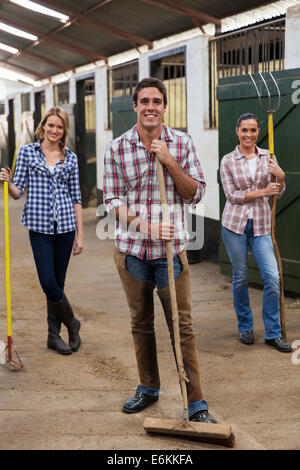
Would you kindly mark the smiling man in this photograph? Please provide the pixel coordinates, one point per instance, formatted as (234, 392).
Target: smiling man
(131, 193)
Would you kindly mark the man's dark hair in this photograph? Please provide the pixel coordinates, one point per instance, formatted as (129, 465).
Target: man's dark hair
(245, 117)
(147, 83)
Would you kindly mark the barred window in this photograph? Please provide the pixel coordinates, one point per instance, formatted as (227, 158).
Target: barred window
(89, 104)
(25, 102)
(61, 93)
(255, 49)
(171, 70)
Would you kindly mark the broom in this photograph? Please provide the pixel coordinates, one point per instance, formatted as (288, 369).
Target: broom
(206, 432)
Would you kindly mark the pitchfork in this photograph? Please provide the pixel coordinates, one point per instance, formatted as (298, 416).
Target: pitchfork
(270, 111)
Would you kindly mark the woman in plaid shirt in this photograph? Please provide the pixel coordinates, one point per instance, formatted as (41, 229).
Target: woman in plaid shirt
(53, 216)
(246, 222)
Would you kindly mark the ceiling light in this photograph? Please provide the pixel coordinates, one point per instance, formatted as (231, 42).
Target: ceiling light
(17, 32)
(10, 49)
(40, 9)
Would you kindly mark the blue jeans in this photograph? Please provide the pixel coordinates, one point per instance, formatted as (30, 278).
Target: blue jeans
(263, 253)
(51, 255)
(157, 271)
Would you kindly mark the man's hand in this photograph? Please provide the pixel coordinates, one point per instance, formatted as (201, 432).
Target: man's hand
(160, 148)
(160, 230)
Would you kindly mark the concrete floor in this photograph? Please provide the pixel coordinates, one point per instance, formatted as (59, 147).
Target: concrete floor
(75, 402)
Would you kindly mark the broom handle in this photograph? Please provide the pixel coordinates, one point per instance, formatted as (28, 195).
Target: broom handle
(7, 267)
(273, 233)
(175, 317)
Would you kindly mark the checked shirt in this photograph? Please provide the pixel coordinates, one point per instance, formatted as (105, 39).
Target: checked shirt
(47, 194)
(130, 179)
(236, 181)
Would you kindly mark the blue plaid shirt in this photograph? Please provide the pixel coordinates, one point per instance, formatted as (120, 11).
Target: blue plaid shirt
(48, 196)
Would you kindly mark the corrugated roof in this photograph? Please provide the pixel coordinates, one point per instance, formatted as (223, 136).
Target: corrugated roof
(101, 28)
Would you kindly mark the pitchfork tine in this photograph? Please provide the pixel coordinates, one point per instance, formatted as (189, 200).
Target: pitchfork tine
(270, 110)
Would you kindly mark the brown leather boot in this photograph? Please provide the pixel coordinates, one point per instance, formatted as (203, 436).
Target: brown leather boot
(187, 337)
(139, 295)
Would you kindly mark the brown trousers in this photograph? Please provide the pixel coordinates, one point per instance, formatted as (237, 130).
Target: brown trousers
(139, 295)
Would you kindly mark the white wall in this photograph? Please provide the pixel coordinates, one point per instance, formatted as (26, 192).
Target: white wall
(9, 87)
(292, 38)
(103, 134)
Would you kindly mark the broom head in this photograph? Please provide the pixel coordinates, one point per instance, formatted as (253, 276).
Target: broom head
(205, 432)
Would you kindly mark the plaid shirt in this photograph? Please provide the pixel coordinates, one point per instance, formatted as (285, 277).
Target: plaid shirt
(47, 194)
(130, 179)
(236, 181)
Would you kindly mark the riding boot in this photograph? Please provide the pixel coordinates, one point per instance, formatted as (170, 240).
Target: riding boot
(54, 340)
(139, 295)
(187, 337)
(65, 314)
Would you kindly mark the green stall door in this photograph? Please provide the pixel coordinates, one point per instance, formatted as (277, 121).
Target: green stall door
(237, 95)
(123, 115)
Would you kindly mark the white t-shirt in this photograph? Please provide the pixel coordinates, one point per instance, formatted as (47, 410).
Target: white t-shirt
(51, 169)
(252, 165)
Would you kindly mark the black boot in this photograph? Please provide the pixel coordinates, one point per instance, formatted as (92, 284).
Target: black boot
(65, 314)
(54, 340)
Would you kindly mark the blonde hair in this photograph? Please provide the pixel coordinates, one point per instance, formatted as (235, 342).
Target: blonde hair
(55, 111)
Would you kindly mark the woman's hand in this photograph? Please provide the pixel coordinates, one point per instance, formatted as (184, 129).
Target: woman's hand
(78, 244)
(272, 189)
(275, 169)
(5, 175)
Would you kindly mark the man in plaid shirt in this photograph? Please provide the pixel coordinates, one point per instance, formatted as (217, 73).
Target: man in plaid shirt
(131, 194)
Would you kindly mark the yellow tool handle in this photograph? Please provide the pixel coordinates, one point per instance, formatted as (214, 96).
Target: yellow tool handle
(271, 134)
(7, 265)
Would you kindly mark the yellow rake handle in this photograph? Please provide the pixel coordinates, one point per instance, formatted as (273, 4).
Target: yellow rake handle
(271, 134)
(7, 260)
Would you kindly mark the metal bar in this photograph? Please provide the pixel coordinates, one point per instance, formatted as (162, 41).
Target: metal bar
(247, 29)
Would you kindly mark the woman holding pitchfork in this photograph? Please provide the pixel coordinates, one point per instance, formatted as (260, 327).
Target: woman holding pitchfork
(53, 216)
(246, 222)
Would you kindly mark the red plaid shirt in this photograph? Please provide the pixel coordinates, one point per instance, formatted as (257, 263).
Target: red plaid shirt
(130, 179)
(236, 181)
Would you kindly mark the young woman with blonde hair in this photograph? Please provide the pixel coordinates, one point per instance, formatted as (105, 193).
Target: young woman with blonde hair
(53, 216)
